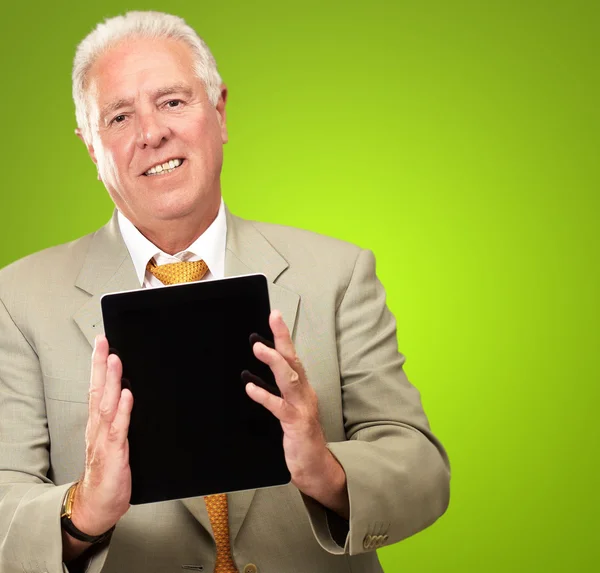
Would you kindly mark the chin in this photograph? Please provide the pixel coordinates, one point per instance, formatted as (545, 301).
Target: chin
(177, 207)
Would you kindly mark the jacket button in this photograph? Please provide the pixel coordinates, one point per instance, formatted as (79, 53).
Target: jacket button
(250, 568)
(368, 542)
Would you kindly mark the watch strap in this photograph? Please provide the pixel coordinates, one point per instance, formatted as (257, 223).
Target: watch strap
(68, 525)
(76, 533)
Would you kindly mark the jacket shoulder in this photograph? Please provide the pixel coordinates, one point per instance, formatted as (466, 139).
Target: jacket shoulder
(55, 265)
(293, 242)
(317, 263)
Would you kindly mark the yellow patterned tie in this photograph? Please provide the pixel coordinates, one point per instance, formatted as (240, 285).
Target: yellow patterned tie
(216, 505)
(174, 273)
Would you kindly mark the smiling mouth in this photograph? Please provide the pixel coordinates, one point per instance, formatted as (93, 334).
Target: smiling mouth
(164, 168)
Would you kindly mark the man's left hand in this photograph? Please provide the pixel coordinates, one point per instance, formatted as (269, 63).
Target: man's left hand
(314, 469)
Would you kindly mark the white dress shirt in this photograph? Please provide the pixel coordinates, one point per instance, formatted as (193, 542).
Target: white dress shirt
(210, 247)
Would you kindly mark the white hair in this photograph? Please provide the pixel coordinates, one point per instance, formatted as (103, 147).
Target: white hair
(146, 25)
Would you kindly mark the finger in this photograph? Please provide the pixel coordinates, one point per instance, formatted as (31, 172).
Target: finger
(277, 406)
(247, 377)
(282, 338)
(97, 376)
(289, 381)
(112, 391)
(284, 344)
(255, 337)
(120, 424)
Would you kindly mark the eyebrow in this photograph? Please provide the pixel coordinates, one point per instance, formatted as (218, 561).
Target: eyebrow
(172, 89)
(160, 92)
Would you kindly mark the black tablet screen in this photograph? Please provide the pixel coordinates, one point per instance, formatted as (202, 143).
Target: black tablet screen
(194, 431)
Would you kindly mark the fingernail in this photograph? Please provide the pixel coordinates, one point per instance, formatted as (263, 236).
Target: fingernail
(256, 338)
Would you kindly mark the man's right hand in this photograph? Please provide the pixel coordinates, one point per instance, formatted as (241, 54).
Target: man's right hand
(103, 493)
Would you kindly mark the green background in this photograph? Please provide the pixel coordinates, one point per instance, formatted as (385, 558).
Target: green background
(459, 142)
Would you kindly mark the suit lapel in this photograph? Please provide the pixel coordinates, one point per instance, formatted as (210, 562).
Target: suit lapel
(107, 268)
(197, 507)
(248, 252)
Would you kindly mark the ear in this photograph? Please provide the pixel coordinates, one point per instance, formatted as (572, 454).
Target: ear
(221, 115)
(90, 149)
(88, 146)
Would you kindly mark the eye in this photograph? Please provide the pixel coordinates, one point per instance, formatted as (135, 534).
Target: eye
(119, 119)
(174, 103)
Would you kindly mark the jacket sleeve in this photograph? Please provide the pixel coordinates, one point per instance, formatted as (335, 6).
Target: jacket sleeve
(397, 472)
(30, 504)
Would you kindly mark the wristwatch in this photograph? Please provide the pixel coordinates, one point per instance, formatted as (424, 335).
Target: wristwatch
(69, 526)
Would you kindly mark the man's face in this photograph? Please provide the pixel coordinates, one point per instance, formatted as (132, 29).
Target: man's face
(156, 139)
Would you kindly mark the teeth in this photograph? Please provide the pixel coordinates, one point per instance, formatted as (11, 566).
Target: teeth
(166, 167)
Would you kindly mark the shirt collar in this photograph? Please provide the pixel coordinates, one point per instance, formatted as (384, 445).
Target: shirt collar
(210, 246)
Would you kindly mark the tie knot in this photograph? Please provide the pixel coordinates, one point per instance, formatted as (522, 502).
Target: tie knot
(175, 273)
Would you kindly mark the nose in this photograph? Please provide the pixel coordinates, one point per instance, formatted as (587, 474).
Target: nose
(151, 130)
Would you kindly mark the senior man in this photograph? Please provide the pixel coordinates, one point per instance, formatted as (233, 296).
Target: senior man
(366, 469)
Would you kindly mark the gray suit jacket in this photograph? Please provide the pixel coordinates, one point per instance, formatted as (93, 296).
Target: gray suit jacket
(329, 295)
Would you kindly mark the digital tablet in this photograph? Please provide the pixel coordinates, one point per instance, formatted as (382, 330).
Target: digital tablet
(194, 431)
